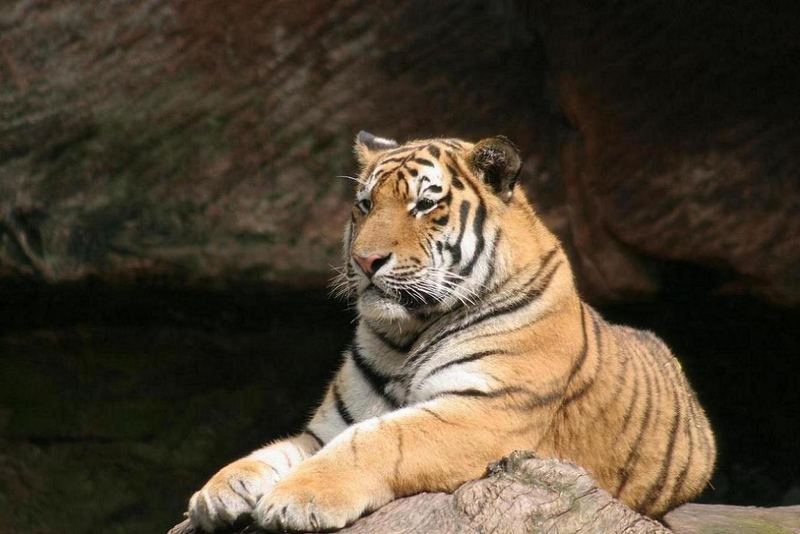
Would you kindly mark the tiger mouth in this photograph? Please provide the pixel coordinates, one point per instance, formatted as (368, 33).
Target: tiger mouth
(404, 297)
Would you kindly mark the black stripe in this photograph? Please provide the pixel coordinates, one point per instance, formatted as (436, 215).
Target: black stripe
(385, 340)
(534, 399)
(428, 248)
(451, 144)
(598, 331)
(477, 229)
(344, 413)
(506, 304)
(376, 380)
(463, 359)
(633, 455)
(455, 248)
(379, 175)
(684, 404)
(634, 398)
(706, 437)
(436, 416)
(441, 221)
(544, 260)
(457, 183)
(492, 254)
(423, 161)
(447, 198)
(434, 151)
(531, 291)
(681, 480)
(393, 160)
(471, 392)
(400, 150)
(315, 436)
(582, 359)
(655, 490)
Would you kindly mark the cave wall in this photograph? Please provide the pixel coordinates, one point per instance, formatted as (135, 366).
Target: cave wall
(166, 166)
(198, 142)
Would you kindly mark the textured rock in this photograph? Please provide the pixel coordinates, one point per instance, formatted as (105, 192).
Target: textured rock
(721, 519)
(201, 140)
(521, 494)
(198, 141)
(529, 495)
(684, 145)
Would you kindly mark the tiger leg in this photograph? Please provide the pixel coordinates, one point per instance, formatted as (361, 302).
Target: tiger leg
(434, 446)
(234, 490)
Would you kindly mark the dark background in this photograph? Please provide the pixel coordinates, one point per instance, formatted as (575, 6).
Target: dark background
(169, 215)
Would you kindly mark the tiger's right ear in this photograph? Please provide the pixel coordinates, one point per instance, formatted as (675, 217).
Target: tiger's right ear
(497, 162)
(368, 147)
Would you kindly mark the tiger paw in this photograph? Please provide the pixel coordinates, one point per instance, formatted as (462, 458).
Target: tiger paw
(304, 504)
(231, 494)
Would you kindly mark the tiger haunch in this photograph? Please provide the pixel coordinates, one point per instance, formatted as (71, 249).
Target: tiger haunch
(472, 342)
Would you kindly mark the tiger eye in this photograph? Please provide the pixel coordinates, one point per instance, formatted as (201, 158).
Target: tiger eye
(364, 205)
(424, 204)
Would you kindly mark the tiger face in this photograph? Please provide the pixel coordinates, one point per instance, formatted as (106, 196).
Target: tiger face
(423, 235)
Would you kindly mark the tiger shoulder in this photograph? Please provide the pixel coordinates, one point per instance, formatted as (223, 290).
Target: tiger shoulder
(471, 342)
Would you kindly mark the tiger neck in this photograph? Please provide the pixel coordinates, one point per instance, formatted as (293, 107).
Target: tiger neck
(397, 335)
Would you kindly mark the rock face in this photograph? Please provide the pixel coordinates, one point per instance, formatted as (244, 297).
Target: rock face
(683, 146)
(198, 141)
(521, 494)
(530, 495)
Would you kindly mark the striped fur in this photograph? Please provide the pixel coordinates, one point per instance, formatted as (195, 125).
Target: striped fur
(472, 342)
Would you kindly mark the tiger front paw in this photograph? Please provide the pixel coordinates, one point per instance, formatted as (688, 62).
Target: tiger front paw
(312, 501)
(231, 494)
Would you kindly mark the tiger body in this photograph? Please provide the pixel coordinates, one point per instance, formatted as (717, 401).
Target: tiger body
(472, 342)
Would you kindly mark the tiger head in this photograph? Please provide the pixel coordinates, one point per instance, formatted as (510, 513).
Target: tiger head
(426, 231)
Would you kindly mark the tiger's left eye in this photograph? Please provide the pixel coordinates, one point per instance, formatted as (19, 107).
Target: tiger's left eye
(424, 204)
(365, 205)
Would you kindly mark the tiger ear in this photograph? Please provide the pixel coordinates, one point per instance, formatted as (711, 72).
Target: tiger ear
(497, 162)
(368, 146)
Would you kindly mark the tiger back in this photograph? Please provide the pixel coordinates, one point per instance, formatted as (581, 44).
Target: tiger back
(472, 342)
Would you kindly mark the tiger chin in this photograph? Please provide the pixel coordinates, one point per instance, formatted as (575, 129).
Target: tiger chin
(471, 342)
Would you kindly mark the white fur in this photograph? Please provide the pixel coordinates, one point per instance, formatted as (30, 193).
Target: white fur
(361, 400)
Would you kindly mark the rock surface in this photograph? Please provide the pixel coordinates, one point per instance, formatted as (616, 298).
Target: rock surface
(683, 146)
(197, 142)
(521, 494)
(721, 519)
(525, 494)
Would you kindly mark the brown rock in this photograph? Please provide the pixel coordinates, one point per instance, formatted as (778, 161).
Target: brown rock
(199, 141)
(685, 147)
(521, 494)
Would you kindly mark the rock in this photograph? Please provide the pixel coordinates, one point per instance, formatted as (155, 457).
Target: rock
(148, 141)
(151, 142)
(722, 519)
(684, 148)
(520, 494)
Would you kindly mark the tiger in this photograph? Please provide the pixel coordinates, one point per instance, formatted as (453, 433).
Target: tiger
(471, 342)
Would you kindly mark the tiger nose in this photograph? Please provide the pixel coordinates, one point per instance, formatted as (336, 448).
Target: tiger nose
(371, 263)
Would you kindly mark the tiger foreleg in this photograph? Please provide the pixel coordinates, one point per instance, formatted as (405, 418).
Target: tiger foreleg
(435, 446)
(232, 493)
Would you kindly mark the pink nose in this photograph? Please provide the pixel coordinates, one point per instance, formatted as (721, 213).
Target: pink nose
(371, 263)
